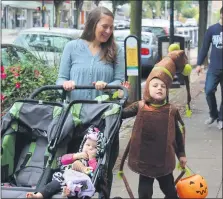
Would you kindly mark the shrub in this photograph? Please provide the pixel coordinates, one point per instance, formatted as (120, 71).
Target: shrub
(19, 81)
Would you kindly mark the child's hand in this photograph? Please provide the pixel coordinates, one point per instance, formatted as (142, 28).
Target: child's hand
(183, 161)
(88, 170)
(126, 84)
(81, 155)
(91, 155)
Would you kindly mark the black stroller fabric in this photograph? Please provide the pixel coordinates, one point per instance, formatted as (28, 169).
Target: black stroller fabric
(26, 130)
(30, 127)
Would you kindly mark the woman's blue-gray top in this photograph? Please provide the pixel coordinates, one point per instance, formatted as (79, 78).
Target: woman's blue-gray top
(78, 64)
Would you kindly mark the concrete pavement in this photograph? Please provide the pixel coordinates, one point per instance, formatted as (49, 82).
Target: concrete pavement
(203, 144)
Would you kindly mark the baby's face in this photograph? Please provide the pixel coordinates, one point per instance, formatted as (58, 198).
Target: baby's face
(157, 89)
(90, 147)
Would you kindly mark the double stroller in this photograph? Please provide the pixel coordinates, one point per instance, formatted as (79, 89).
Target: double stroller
(35, 134)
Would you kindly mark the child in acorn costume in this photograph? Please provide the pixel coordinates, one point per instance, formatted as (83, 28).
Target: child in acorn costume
(156, 136)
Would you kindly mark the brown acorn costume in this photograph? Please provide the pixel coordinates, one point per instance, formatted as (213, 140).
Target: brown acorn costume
(156, 137)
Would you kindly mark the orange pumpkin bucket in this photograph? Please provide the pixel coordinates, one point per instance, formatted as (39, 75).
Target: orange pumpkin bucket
(194, 186)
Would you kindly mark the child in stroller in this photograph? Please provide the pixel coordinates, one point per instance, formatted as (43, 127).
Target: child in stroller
(76, 169)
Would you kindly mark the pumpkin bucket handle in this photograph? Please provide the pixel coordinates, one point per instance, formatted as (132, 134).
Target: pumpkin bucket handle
(180, 176)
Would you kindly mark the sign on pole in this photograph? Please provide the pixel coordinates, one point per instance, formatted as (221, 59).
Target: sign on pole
(132, 55)
(132, 64)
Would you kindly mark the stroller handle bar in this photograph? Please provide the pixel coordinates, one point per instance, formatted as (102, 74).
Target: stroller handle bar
(60, 87)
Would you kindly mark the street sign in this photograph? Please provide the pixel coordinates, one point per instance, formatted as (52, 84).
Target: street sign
(132, 55)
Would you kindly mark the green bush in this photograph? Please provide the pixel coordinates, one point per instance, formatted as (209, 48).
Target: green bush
(190, 12)
(20, 80)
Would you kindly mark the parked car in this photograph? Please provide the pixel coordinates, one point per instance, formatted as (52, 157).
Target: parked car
(191, 22)
(149, 46)
(119, 25)
(47, 43)
(12, 54)
(157, 26)
(178, 24)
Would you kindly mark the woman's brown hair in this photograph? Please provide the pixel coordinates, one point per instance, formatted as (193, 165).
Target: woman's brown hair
(109, 48)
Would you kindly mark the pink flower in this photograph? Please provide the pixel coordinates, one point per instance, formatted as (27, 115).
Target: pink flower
(15, 69)
(17, 85)
(16, 75)
(2, 69)
(36, 73)
(2, 97)
(3, 75)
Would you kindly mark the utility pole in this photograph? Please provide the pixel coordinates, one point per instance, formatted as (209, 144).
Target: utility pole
(43, 13)
(135, 29)
(171, 21)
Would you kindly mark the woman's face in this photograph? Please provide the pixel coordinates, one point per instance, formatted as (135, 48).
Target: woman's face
(157, 89)
(104, 29)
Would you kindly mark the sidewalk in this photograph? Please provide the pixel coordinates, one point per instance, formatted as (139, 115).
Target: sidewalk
(203, 145)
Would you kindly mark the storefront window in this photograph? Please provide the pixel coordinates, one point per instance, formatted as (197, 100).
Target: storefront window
(3, 17)
(36, 19)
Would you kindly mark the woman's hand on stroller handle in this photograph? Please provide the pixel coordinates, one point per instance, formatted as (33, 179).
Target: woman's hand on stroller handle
(99, 85)
(69, 85)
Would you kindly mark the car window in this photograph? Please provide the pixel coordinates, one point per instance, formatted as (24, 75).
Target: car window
(24, 55)
(43, 42)
(5, 57)
(158, 31)
(9, 57)
(144, 38)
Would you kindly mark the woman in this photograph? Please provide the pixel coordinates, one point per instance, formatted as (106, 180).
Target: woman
(94, 59)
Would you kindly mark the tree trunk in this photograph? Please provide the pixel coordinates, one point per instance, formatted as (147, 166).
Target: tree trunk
(76, 17)
(113, 7)
(203, 18)
(97, 2)
(79, 5)
(135, 29)
(57, 13)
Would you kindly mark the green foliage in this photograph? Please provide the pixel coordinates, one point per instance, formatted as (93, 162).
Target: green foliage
(190, 12)
(147, 11)
(19, 80)
(116, 3)
(178, 5)
(215, 17)
(149, 6)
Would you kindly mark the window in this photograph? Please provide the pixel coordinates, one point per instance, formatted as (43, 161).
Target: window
(154, 41)
(24, 55)
(5, 57)
(43, 42)
(146, 39)
(158, 31)
(9, 57)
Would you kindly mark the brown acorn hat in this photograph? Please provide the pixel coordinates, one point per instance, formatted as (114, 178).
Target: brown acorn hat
(165, 70)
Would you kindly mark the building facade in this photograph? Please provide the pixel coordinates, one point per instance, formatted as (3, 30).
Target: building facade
(25, 14)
